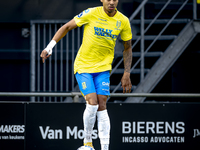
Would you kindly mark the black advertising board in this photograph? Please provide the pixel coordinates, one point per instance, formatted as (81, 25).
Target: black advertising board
(58, 126)
(133, 126)
(12, 126)
(155, 126)
(55, 126)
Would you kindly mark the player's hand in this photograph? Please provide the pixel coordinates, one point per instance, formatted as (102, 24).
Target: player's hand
(44, 55)
(126, 83)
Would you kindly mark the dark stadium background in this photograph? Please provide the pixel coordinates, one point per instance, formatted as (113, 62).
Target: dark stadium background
(15, 15)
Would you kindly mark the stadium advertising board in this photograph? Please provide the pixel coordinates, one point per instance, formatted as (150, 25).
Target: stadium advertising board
(155, 126)
(55, 126)
(133, 126)
(12, 126)
(50, 126)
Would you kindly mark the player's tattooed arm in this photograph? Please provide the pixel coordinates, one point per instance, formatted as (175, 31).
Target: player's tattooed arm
(127, 55)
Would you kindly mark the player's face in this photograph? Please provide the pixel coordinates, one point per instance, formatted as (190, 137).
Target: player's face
(109, 6)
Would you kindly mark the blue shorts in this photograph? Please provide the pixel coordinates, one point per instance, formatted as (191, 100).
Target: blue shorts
(98, 83)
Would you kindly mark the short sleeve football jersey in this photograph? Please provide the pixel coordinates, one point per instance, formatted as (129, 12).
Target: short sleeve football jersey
(100, 33)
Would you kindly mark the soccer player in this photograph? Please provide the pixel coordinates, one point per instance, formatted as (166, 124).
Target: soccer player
(92, 66)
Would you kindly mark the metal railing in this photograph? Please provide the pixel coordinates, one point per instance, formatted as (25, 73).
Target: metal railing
(56, 74)
(76, 95)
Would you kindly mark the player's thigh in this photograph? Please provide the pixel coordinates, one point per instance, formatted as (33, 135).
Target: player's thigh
(87, 87)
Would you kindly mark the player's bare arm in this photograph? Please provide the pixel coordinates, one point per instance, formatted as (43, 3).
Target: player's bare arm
(64, 30)
(127, 56)
(46, 53)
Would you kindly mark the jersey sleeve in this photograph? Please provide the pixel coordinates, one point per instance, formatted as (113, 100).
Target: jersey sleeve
(83, 17)
(126, 33)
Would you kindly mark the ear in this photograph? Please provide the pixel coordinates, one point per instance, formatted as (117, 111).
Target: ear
(101, 1)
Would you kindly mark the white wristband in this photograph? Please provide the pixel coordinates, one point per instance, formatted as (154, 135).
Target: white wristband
(50, 47)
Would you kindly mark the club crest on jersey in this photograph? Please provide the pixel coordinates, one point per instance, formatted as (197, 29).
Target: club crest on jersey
(118, 24)
(84, 85)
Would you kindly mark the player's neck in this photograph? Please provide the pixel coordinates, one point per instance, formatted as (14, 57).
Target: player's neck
(110, 14)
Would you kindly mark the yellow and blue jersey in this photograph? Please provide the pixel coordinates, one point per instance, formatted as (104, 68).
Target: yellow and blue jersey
(100, 33)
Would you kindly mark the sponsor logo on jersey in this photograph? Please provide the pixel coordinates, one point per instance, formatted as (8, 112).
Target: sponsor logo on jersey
(102, 19)
(105, 83)
(104, 32)
(86, 11)
(81, 14)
